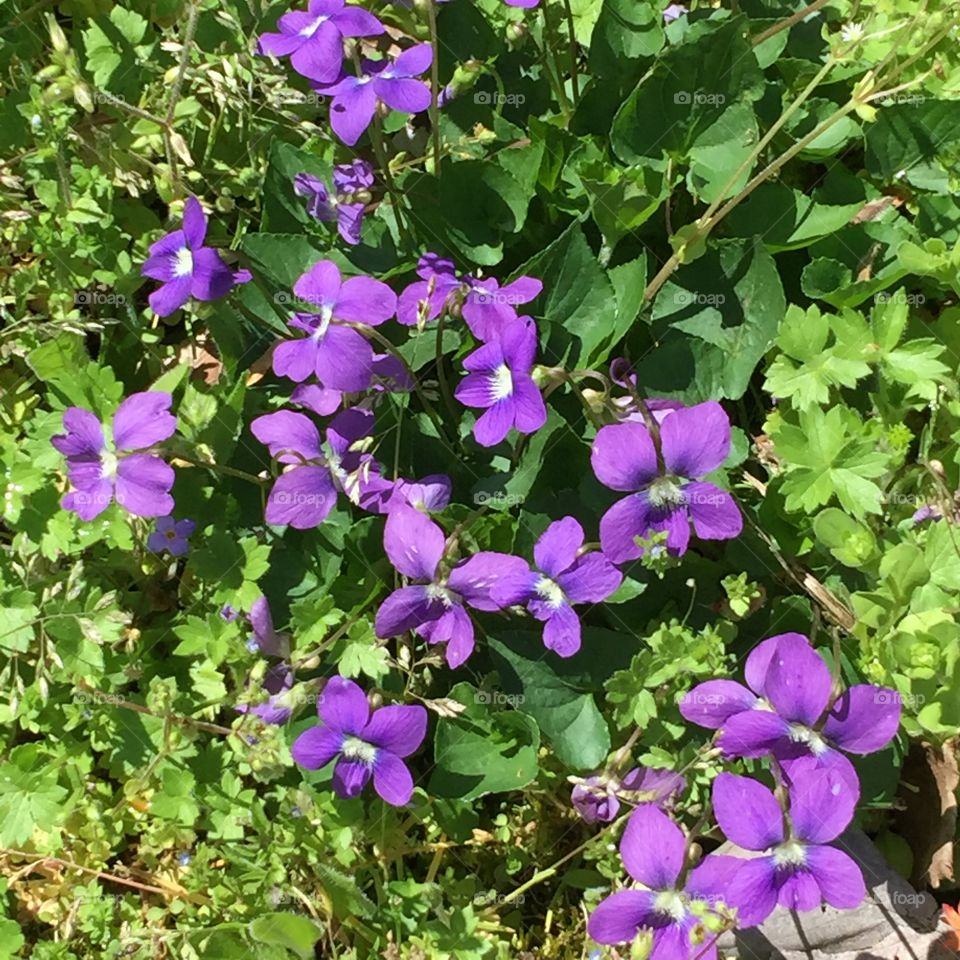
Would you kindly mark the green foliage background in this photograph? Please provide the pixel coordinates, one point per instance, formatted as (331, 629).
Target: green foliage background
(751, 209)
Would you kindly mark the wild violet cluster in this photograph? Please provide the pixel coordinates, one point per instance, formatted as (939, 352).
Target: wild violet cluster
(660, 457)
(793, 713)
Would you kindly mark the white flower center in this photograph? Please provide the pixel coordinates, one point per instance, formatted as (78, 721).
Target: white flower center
(501, 383)
(550, 592)
(311, 28)
(183, 262)
(323, 324)
(801, 734)
(108, 465)
(437, 591)
(789, 854)
(669, 903)
(356, 749)
(665, 492)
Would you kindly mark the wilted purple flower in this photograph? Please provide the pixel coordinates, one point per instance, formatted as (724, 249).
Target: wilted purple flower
(562, 578)
(345, 204)
(313, 39)
(784, 710)
(799, 870)
(429, 494)
(228, 614)
(364, 743)
(186, 268)
(355, 98)
(171, 535)
(489, 308)
(653, 850)
(425, 299)
(499, 381)
(339, 355)
(694, 441)
(278, 707)
(265, 637)
(674, 12)
(927, 512)
(99, 471)
(279, 678)
(305, 494)
(597, 798)
(436, 606)
(525, 4)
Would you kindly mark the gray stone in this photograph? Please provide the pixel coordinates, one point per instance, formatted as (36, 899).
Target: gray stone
(894, 922)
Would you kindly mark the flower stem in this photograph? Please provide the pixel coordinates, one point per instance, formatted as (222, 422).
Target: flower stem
(434, 87)
(571, 29)
(220, 468)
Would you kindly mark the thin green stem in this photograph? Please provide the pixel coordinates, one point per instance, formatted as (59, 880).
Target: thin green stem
(572, 31)
(221, 468)
(435, 87)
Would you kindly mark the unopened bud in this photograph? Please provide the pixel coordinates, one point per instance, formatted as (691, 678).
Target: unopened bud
(516, 33)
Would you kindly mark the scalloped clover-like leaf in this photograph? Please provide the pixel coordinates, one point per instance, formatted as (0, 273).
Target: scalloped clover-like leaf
(807, 368)
(830, 454)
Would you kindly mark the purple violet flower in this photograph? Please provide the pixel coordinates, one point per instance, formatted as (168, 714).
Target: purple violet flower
(346, 204)
(265, 637)
(799, 870)
(339, 355)
(278, 685)
(171, 535)
(364, 743)
(499, 381)
(186, 268)
(674, 12)
(279, 678)
(694, 441)
(488, 308)
(228, 614)
(435, 606)
(653, 849)
(429, 495)
(313, 39)
(425, 299)
(597, 798)
(562, 578)
(524, 4)
(781, 711)
(355, 98)
(304, 495)
(100, 471)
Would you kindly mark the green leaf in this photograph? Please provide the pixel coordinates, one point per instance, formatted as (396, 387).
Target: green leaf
(807, 369)
(289, 930)
(553, 694)
(849, 540)
(625, 31)
(30, 796)
(580, 297)
(830, 454)
(712, 322)
(689, 90)
(484, 750)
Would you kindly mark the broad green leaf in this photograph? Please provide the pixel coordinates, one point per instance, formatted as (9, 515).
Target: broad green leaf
(712, 322)
(484, 750)
(554, 695)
